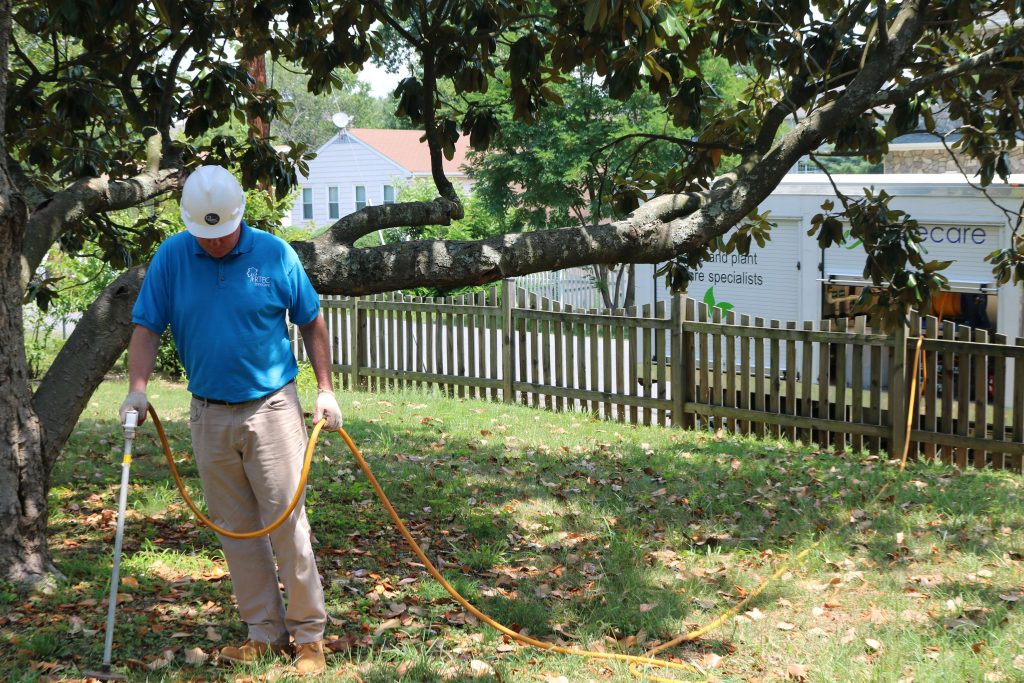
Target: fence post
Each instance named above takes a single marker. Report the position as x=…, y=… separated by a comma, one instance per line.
x=358, y=337
x=678, y=370
x=507, y=340
x=898, y=392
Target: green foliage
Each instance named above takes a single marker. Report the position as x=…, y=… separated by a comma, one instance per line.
x=307, y=117
x=850, y=165
x=305, y=383
x=167, y=360
x=701, y=85
x=901, y=276
x=477, y=223
x=40, y=346
x=560, y=167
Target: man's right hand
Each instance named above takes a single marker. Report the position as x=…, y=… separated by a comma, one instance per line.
x=135, y=400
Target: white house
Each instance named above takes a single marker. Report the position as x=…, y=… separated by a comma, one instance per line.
x=364, y=166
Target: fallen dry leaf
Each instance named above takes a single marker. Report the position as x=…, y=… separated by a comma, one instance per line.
x=798, y=672
x=553, y=678
x=396, y=608
x=479, y=668
x=194, y=656
x=785, y=626
x=387, y=626
x=710, y=661
x=160, y=662
x=873, y=644
x=212, y=635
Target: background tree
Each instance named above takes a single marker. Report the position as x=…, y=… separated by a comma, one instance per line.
x=562, y=169
x=91, y=90
x=307, y=116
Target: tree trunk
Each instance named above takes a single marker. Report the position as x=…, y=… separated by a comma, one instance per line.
x=98, y=340
x=24, y=555
x=630, y=299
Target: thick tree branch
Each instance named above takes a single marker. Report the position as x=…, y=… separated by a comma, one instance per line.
x=647, y=236
x=98, y=340
x=165, y=114
x=407, y=214
x=964, y=66
x=798, y=95
x=33, y=194
x=738, y=193
x=444, y=186
x=90, y=196
x=661, y=229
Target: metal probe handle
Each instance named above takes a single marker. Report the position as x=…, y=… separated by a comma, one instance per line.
x=130, y=423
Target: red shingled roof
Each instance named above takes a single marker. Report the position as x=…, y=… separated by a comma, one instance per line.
x=405, y=149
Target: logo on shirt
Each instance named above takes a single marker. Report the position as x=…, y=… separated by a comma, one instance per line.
x=256, y=279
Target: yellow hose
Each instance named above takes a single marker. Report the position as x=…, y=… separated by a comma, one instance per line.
x=633, y=661
x=209, y=522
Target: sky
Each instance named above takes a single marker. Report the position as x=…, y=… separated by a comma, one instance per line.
x=380, y=81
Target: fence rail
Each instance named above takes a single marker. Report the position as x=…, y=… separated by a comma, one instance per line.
x=835, y=383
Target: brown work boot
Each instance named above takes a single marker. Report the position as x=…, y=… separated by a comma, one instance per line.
x=309, y=658
x=251, y=651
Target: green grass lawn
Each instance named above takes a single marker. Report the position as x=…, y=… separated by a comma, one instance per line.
x=586, y=533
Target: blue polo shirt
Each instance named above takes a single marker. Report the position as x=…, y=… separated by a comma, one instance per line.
x=227, y=315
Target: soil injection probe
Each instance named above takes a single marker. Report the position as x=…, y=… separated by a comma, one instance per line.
x=105, y=674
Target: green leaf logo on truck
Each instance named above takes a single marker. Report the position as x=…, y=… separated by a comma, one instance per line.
x=709, y=301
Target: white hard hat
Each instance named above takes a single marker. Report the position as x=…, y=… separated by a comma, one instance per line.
x=212, y=202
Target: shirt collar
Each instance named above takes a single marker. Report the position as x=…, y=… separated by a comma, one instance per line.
x=244, y=243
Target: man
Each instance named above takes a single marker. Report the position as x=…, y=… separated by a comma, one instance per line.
x=225, y=288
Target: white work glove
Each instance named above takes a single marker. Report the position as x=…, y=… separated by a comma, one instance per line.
x=136, y=400
x=327, y=408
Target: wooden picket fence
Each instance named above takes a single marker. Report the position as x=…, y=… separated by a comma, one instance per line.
x=835, y=384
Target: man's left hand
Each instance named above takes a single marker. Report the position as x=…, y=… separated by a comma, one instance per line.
x=327, y=408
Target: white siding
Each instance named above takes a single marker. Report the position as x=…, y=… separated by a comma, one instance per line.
x=346, y=165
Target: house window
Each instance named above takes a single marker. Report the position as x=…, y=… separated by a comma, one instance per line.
x=360, y=197
x=307, y=203
x=332, y=203
x=389, y=194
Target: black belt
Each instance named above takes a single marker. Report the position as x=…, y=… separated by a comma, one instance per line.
x=218, y=402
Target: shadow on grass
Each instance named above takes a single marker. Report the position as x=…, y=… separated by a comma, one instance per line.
x=587, y=542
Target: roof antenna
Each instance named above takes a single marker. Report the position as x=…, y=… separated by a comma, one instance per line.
x=341, y=120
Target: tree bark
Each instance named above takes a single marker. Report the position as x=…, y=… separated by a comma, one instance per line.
x=24, y=484
x=92, y=349
x=24, y=555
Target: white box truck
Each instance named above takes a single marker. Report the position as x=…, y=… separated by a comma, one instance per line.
x=791, y=278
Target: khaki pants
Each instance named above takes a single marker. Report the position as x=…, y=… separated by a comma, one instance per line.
x=250, y=458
